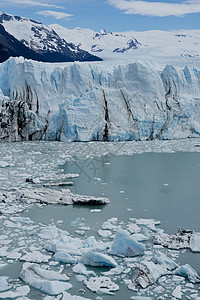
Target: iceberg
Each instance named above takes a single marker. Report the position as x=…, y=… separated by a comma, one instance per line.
x=97, y=259
x=49, y=282
x=126, y=245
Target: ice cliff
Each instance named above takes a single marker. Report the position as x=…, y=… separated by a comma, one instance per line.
x=106, y=101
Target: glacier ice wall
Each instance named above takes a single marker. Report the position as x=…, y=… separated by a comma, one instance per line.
x=97, y=101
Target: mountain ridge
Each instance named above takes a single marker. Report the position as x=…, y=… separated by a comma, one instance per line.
x=41, y=42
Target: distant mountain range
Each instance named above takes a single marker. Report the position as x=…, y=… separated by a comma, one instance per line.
x=130, y=44
x=33, y=40
x=21, y=36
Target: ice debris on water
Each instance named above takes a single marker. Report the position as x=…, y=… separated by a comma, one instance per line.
x=129, y=258
x=101, y=285
x=49, y=282
x=181, y=240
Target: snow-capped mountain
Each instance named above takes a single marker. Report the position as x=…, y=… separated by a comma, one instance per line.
x=104, y=101
x=154, y=43
x=45, y=44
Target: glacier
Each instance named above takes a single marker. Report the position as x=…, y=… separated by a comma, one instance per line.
x=98, y=101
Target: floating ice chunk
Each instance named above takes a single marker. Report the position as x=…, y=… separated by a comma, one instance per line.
x=188, y=272
x=177, y=292
x=78, y=222
x=195, y=242
x=81, y=278
x=68, y=183
x=141, y=298
x=159, y=290
x=95, y=210
x=49, y=275
x=67, y=296
x=133, y=228
x=114, y=271
x=104, y=233
x=162, y=259
x=113, y=220
x=36, y=257
x=4, y=284
x=42, y=281
x=51, y=232
x=81, y=269
x=124, y=244
x=139, y=237
x=148, y=273
x=101, y=285
x=181, y=240
x=108, y=225
x=21, y=220
x=4, y=164
x=150, y=223
x=19, y=292
x=80, y=232
x=65, y=197
x=98, y=259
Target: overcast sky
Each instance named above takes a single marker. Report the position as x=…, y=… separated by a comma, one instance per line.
x=112, y=15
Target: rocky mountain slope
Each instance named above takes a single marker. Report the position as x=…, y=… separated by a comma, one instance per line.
x=31, y=39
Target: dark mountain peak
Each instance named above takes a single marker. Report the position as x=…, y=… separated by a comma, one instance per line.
x=43, y=41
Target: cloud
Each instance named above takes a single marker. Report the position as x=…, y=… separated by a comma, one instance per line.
x=34, y=3
x=55, y=14
x=156, y=9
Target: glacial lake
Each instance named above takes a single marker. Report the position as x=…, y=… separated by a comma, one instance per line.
x=161, y=182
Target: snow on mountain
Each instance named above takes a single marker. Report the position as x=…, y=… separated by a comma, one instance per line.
x=44, y=42
x=111, y=45
x=105, y=101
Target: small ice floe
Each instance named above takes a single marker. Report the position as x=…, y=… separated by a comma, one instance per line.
x=188, y=272
x=95, y=210
x=126, y=245
x=4, y=286
x=65, y=183
x=65, y=197
x=133, y=228
x=101, y=285
x=81, y=269
x=4, y=164
x=78, y=222
x=139, y=237
x=21, y=220
x=56, y=177
x=108, y=225
x=21, y=291
x=149, y=223
x=63, y=257
x=114, y=271
x=97, y=259
x=36, y=257
x=67, y=296
x=104, y=233
x=140, y=298
x=177, y=292
x=80, y=232
x=181, y=240
x=162, y=259
x=49, y=282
